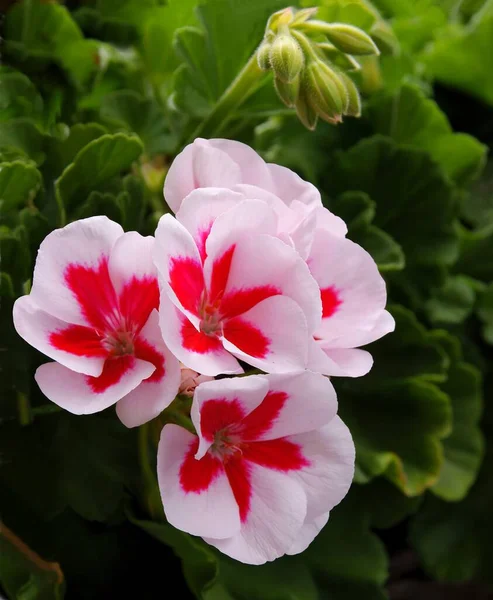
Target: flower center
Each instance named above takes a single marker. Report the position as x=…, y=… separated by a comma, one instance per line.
x=119, y=343
x=226, y=445
x=210, y=322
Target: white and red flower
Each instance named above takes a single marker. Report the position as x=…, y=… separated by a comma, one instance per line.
x=352, y=291
x=270, y=460
x=230, y=289
x=92, y=309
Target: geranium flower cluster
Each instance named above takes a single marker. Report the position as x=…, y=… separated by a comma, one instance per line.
x=252, y=271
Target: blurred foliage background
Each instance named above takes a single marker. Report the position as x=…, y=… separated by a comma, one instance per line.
x=96, y=99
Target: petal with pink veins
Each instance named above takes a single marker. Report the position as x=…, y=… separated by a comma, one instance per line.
x=80, y=249
x=196, y=494
x=327, y=478
x=271, y=336
x=84, y=395
x=217, y=404
x=308, y=533
x=201, y=208
x=277, y=510
x=159, y=390
x=199, y=165
x=286, y=411
x=74, y=346
x=263, y=260
x=179, y=265
x=196, y=350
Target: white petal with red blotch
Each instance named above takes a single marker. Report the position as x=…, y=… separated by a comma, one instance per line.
x=263, y=262
x=327, y=478
x=253, y=169
x=71, y=264
x=179, y=265
x=84, y=395
x=199, y=165
x=320, y=362
x=353, y=291
x=289, y=186
x=248, y=218
x=277, y=510
x=196, y=494
x=308, y=533
x=200, y=209
x=159, y=390
x=217, y=404
x=272, y=336
x=296, y=403
x=74, y=346
x=351, y=362
x=385, y=324
x=193, y=348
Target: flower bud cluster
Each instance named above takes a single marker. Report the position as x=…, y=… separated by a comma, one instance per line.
x=310, y=61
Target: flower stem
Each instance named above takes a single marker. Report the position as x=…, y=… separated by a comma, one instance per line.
x=243, y=86
x=24, y=409
x=150, y=496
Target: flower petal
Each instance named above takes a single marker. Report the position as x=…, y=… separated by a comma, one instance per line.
x=179, y=265
x=350, y=362
x=84, y=395
x=74, y=346
x=81, y=246
x=271, y=336
x=296, y=403
x=217, y=404
x=204, y=354
x=277, y=509
x=289, y=186
x=330, y=454
x=199, y=165
x=159, y=390
x=308, y=533
x=196, y=494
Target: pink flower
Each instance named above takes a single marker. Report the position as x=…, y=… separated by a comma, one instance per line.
x=92, y=309
x=352, y=291
x=270, y=460
x=231, y=289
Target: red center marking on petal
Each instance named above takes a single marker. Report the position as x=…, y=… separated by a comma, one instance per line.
x=150, y=353
x=93, y=290
x=238, y=302
x=138, y=298
x=330, y=301
x=197, y=475
x=246, y=337
x=113, y=371
x=217, y=414
x=197, y=341
x=238, y=472
x=78, y=340
x=186, y=279
x=261, y=419
x=220, y=274
x=281, y=455
x=201, y=240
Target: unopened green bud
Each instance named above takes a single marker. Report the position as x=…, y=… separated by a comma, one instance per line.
x=325, y=90
x=263, y=56
x=384, y=37
x=344, y=61
x=288, y=92
x=306, y=114
x=350, y=39
x=303, y=15
x=353, y=108
x=286, y=57
x=279, y=18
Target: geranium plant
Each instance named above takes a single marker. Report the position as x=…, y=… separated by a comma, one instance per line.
x=246, y=299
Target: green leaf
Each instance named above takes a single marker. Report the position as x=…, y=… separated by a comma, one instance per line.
x=18, y=96
x=476, y=253
x=453, y=539
x=458, y=59
x=24, y=136
x=452, y=303
x=65, y=460
x=408, y=117
x=19, y=184
x=485, y=313
x=99, y=161
x=25, y=575
x=415, y=203
x=396, y=415
x=463, y=448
